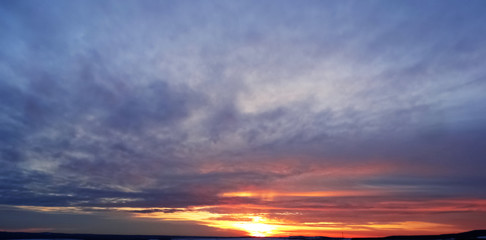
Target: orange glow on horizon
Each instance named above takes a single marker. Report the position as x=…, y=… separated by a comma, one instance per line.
x=270, y=195
x=257, y=227
x=259, y=220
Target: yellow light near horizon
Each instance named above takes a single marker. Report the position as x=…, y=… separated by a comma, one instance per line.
x=256, y=228
x=264, y=224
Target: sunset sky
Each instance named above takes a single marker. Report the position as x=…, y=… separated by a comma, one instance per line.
x=243, y=118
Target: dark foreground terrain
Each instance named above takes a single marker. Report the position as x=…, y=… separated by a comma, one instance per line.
x=472, y=235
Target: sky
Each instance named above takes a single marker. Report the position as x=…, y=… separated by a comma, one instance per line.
x=237, y=118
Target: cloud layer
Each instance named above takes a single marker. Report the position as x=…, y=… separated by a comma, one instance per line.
x=155, y=105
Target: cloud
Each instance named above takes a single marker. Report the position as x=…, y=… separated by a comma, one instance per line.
x=171, y=104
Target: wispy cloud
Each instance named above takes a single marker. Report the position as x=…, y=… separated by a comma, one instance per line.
x=160, y=106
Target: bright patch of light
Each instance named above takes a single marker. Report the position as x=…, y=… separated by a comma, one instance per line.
x=256, y=228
